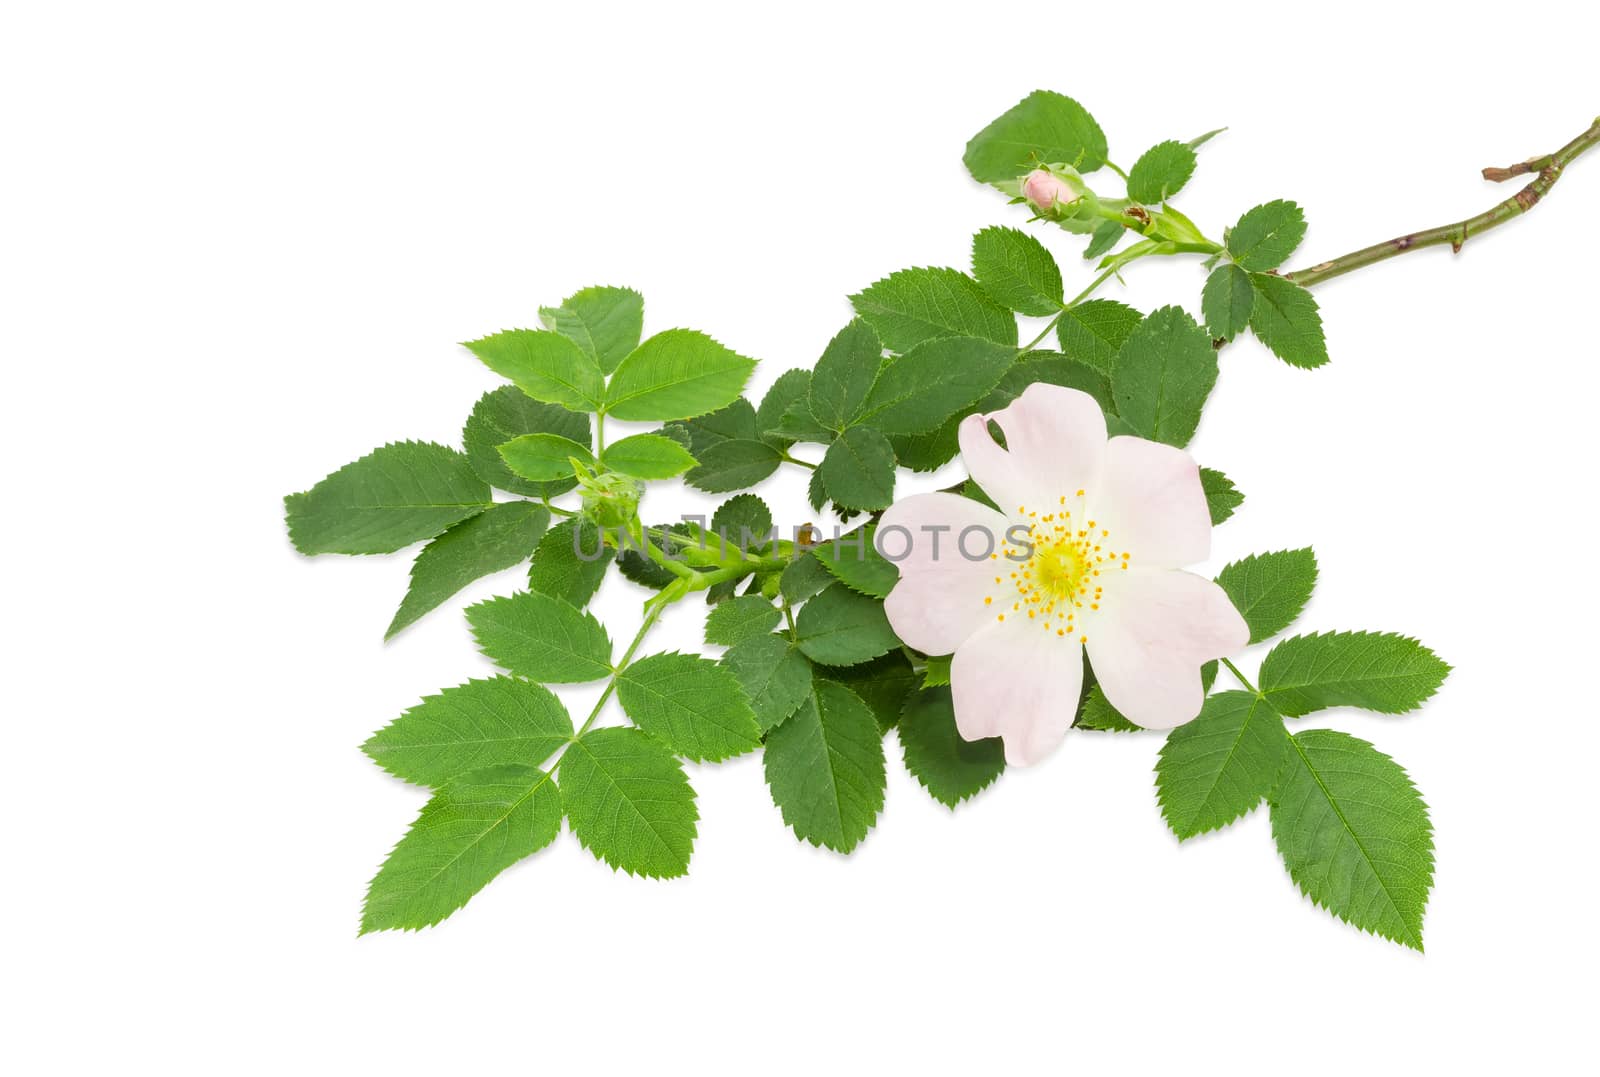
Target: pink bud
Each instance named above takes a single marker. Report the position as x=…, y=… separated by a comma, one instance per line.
x=1045, y=190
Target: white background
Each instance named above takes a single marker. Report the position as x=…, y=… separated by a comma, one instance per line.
x=239, y=243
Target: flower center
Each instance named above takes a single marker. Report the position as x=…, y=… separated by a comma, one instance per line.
x=1055, y=573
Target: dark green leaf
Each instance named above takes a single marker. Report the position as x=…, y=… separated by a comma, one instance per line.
x=883, y=684
x=570, y=562
x=858, y=469
x=920, y=390
x=1227, y=301
x=842, y=628
x=774, y=675
x=917, y=305
x=1161, y=172
x=739, y=619
x=1017, y=271
x=1218, y=767
x=1222, y=497
x=844, y=375
x=803, y=578
x=1266, y=236
x=1163, y=374
x=491, y=541
x=825, y=768
x=948, y=766
x=1042, y=128
x=1285, y=318
x=1270, y=589
x=388, y=499
x=1376, y=671
x=854, y=560
x=792, y=385
x=1093, y=332
x=506, y=413
x=1105, y=237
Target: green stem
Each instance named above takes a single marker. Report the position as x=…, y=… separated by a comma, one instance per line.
x=1241, y=678
x=650, y=617
x=1548, y=168
x=599, y=433
x=1068, y=305
x=786, y=458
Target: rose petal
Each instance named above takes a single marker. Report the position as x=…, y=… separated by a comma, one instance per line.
x=944, y=577
x=1055, y=441
x=1151, y=500
x=1016, y=681
x=1153, y=632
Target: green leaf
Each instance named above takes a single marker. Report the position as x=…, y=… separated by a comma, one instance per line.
x=858, y=469
x=1376, y=671
x=843, y=377
x=728, y=447
x=545, y=457
x=917, y=305
x=841, y=628
x=1285, y=318
x=474, y=828
x=1045, y=366
x=570, y=562
x=1042, y=128
x=774, y=675
x=825, y=767
x=919, y=390
x=545, y=365
x=1227, y=301
x=1222, y=496
x=854, y=560
x=1105, y=237
x=739, y=619
x=540, y=637
x=937, y=673
x=791, y=386
x=491, y=541
x=1269, y=590
x=1161, y=172
x=1266, y=236
x=949, y=767
x=676, y=375
x=883, y=684
x=629, y=802
x=1017, y=271
x=1218, y=767
x=388, y=499
x=506, y=413
x=1093, y=332
x=605, y=322
x=802, y=578
x=694, y=705
x=647, y=456
x=1097, y=713
x=1354, y=834
x=1163, y=374
x=478, y=724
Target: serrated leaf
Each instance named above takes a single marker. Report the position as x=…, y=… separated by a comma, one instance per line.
x=1104, y=237
x=1354, y=833
x=545, y=457
x=738, y=619
x=545, y=365
x=792, y=385
x=744, y=522
x=853, y=559
x=478, y=724
x=1266, y=235
x=1093, y=332
x=540, y=637
x=1161, y=172
x=1219, y=766
x=677, y=374
x=728, y=447
x=1285, y=318
x=858, y=469
x=798, y=424
x=570, y=562
x=696, y=707
x=918, y=391
x=1042, y=128
x=912, y=306
x=883, y=684
x=1097, y=713
x=1227, y=300
x=1163, y=374
x=474, y=828
x=842, y=628
x=402, y=493
x=843, y=376
x=1052, y=368
x=825, y=768
x=802, y=578
x=647, y=456
x=774, y=675
x=492, y=541
x=948, y=766
x=506, y=413
x=605, y=322
x=1017, y=271
x=629, y=802
x=1376, y=671
x=1269, y=590
x=1222, y=496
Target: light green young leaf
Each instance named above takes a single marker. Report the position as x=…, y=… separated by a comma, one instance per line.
x=542, y=638
x=506, y=413
x=1270, y=589
x=545, y=365
x=854, y=560
x=1376, y=671
x=545, y=457
x=1285, y=318
x=774, y=675
x=478, y=724
x=1093, y=332
x=474, y=828
x=1042, y=128
x=605, y=322
x=843, y=377
x=629, y=802
x=917, y=305
x=1266, y=236
x=1354, y=833
x=858, y=470
x=791, y=386
x=842, y=628
x=920, y=390
x=949, y=767
x=677, y=374
x=1218, y=767
x=1227, y=300
x=491, y=541
x=388, y=499
x=738, y=619
x=825, y=768
x=1222, y=496
x=647, y=456
x=1163, y=374
x=1161, y=172
x=570, y=562
x=696, y=707
x=1017, y=271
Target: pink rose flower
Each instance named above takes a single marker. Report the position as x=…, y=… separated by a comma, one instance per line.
x=1045, y=191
